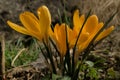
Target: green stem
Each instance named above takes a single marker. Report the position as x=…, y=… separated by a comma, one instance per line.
x=47, y=46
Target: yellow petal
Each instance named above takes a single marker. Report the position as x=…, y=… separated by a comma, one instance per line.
x=83, y=38
x=85, y=44
x=91, y=24
x=104, y=33
x=72, y=35
x=62, y=34
x=30, y=22
x=57, y=30
x=60, y=38
x=78, y=21
x=22, y=30
x=18, y=28
x=98, y=27
x=44, y=19
x=81, y=48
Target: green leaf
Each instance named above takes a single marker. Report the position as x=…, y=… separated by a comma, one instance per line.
x=57, y=77
x=111, y=72
x=92, y=73
x=89, y=63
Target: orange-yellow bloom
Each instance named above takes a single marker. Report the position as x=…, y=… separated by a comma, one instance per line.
x=91, y=28
x=59, y=36
x=33, y=26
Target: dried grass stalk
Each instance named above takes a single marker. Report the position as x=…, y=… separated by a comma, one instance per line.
x=2, y=57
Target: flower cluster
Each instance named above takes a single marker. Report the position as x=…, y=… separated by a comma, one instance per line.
x=84, y=32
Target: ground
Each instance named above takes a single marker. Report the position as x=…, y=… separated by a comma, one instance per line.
x=10, y=10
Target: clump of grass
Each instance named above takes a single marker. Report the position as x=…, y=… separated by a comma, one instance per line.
x=27, y=56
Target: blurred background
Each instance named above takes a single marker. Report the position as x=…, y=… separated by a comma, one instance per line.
x=10, y=9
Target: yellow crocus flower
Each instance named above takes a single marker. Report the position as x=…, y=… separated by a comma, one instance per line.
x=59, y=36
x=33, y=26
x=91, y=27
x=78, y=22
